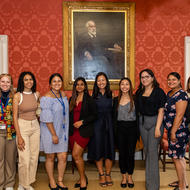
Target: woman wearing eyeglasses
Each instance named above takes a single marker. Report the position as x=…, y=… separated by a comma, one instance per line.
x=150, y=106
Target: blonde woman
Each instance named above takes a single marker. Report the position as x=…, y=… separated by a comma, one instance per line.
x=7, y=134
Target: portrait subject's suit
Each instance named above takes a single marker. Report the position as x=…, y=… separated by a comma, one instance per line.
x=102, y=59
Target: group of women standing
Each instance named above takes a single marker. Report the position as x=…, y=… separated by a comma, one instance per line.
x=100, y=121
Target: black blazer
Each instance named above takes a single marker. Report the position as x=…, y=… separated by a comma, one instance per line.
x=88, y=114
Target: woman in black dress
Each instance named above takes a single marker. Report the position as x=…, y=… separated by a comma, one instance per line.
x=101, y=146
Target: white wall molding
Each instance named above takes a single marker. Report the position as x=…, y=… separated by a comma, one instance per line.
x=3, y=54
x=187, y=60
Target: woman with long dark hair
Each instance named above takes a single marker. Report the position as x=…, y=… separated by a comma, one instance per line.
x=54, y=125
x=178, y=132
x=150, y=106
x=25, y=104
x=126, y=130
x=8, y=151
x=82, y=117
x=101, y=146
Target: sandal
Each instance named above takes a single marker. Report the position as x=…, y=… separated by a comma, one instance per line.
x=102, y=184
x=174, y=184
x=109, y=183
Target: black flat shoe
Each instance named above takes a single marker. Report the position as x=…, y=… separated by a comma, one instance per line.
x=131, y=185
x=123, y=185
x=55, y=188
x=62, y=188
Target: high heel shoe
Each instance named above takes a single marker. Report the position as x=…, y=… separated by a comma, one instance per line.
x=84, y=188
x=77, y=184
x=55, y=188
x=102, y=184
x=109, y=183
x=62, y=188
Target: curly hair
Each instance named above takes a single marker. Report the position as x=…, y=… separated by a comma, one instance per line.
x=20, y=86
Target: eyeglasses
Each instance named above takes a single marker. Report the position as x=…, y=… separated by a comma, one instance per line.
x=145, y=77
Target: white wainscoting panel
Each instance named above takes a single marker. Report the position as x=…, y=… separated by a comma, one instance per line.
x=187, y=60
x=3, y=54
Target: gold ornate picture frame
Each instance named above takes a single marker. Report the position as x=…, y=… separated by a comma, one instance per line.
x=98, y=37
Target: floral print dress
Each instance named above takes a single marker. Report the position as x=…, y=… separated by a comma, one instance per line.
x=176, y=149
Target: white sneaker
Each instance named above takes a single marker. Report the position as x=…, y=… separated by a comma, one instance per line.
x=9, y=188
x=20, y=187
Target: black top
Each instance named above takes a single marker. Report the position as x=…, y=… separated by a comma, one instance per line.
x=149, y=105
x=88, y=114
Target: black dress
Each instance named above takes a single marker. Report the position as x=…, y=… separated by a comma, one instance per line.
x=101, y=144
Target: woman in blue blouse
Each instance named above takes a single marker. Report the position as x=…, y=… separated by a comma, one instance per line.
x=54, y=125
x=177, y=129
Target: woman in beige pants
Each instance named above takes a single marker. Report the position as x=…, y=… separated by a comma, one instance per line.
x=27, y=129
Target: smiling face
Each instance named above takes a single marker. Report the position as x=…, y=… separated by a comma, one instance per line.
x=173, y=82
x=28, y=82
x=80, y=87
x=101, y=82
x=5, y=83
x=146, y=79
x=56, y=83
x=125, y=86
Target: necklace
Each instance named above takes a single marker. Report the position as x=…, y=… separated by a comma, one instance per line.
x=27, y=92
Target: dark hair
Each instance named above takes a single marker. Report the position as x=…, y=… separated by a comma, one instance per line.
x=75, y=93
x=95, y=92
x=188, y=81
x=130, y=92
x=20, y=85
x=141, y=88
x=176, y=75
x=55, y=75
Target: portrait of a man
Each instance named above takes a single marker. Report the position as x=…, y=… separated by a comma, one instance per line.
x=99, y=44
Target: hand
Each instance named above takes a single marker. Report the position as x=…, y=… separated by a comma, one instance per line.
x=55, y=139
x=173, y=136
x=20, y=143
x=116, y=46
x=157, y=133
x=78, y=124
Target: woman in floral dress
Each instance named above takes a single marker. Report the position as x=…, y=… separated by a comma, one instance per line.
x=177, y=129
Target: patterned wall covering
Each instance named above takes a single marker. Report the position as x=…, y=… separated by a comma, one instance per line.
x=35, y=37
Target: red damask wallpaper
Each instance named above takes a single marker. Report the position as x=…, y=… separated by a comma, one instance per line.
x=35, y=37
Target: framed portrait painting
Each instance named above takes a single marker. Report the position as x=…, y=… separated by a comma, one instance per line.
x=98, y=37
